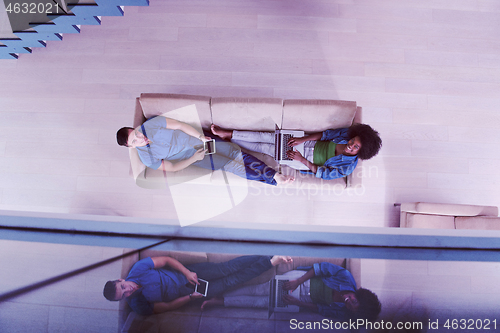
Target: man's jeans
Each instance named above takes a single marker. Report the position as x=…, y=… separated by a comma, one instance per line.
x=225, y=275
x=229, y=157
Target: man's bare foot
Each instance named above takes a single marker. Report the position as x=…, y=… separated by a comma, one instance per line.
x=283, y=179
x=276, y=260
x=213, y=302
x=221, y=133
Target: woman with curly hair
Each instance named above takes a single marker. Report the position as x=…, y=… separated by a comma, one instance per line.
x=325, y=288
x=330, y=154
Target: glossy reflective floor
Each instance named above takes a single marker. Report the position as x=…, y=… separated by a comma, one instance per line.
x=411, y=291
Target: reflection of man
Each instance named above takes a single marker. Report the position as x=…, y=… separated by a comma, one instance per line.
x=325, y=288
x=160, y=284
x=171, y=145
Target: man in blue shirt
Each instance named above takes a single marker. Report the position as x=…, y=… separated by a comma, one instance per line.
x=171, y=145
x=160, y=284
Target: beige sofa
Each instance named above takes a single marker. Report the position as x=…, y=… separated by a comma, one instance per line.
x=448, y=216
x=259, y=114
x=189, y=318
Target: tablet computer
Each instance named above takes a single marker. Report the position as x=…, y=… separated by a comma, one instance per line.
x=209, y=146
x=202, y=288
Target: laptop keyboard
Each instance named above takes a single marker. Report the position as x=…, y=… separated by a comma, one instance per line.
x=285, y=147
x=281, y=293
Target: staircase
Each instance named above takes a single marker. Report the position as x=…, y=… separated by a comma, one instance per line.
x=49, y=21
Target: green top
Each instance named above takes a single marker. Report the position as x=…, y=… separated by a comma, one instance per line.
x=320, y=292
x=323, y=150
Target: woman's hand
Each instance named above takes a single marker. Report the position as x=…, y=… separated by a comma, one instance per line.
x=192, y=278
x=199, y=155
x=289, y=299
x=295, y=155
x=296, y=141
x=291, y=285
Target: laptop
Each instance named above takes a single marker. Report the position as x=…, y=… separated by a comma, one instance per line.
x=276, y=293
x=281, y=147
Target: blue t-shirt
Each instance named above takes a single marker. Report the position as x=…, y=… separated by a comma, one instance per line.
x=167, y=144
x=157, y=285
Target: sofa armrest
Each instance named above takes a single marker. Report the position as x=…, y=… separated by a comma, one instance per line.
x=449, y=209
x=353, y=265
x=139, y=117
x=355, y=179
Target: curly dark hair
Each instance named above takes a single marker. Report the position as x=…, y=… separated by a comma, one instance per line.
x=370, y=140
x=109, y=290
x=122, y=136
x=369, y=305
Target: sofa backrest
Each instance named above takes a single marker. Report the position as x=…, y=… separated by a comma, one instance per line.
x=317, y=115
x=157, y=104
x=257, y=114
x=477, y=222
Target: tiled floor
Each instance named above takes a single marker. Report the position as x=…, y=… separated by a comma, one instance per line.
x=426, y=74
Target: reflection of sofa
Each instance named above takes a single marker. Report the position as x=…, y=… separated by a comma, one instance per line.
x=259, y=114
x=219, y=319
x=448, y=216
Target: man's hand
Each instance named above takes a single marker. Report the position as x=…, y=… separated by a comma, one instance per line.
x=192, y=277
x=296, y=141
x=295, y=155
x=195, y=295
x=291, y=285
x=288, y=299
x=199, y=155
x=206, y=138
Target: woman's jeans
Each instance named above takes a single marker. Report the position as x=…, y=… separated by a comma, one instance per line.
x=261, y=142
x=264, y=142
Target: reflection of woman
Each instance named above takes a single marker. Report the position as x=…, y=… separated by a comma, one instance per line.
x=325, y=288
x=173, y=145
x=330, y=154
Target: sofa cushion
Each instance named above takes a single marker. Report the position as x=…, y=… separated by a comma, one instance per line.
x=306, y=262
x=157, y=104
x=317, y=115
x=478, y=222
x=256, y=114
x=186, y=258
x=128, y=262
x=430, y=221
x=221, y=257
x=310, y=185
